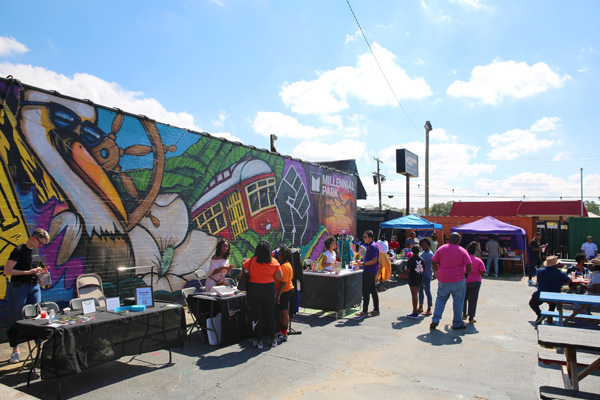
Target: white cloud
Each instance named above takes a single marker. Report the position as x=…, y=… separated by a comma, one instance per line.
x=227, y=135
x=267, y=123
x=9, y=45
x=418, y=61
x=424, y=5
x=448, y=161
x=452, y=72
x=545, y=124
x=320, y=151
x=490, y=83
x=470, y=3
x=353, y=37
x=219, y=3
x=560, y=156
x=440, y=135
x=516, y=142
x=330, y=92
x=105, y=93
x=221, y=120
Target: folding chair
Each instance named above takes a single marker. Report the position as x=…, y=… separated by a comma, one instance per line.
x=30, y=311
x=76, y=303
x=196, y=325
x=90, y=285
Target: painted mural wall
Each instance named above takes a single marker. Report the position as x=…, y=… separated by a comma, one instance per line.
x=116, y=190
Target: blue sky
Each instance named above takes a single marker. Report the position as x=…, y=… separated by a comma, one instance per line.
x=510, y=87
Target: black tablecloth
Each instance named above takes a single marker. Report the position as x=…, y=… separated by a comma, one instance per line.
x=235, y=325
x=69, y=349
x=330, y=292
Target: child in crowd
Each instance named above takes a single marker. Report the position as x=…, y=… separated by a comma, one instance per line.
x=416, y=267
x=425, y=289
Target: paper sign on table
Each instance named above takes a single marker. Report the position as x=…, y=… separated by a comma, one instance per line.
x=112, y=303
x=89, y=306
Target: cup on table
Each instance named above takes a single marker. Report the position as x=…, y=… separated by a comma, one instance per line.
x=44, y=312
x=66, y=310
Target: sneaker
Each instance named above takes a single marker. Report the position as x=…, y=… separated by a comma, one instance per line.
x=375, y=313
x=530, y=282
x=433, y=325
x=462, y=326
x=15, y=358
x=539, y=320
x=258, y=344
x=278, y=335
x=495, y=276
x=273, y=342
x=283, y=338
x=361, y=315
x=413, y=315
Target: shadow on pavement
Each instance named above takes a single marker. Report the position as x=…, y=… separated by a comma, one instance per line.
x=88, y=380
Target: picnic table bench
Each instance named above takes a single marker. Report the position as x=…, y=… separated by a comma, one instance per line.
x=584, y=301
x=571, y=340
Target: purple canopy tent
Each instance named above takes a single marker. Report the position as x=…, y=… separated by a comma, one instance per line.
x=490, y=225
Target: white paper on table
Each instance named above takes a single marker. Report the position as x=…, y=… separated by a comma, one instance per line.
x=89, y=306
x=112, y=303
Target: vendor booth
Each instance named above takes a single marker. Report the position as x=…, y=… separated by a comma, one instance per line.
x=412, y=222
x=513, y=237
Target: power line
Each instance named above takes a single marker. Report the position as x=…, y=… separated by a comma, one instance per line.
x=381, y=69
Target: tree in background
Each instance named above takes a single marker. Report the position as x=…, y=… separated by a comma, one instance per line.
x=441, y=209
x=590, y=206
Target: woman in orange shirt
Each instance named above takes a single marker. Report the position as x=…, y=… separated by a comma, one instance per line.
x=263, y=270
x=284, y=290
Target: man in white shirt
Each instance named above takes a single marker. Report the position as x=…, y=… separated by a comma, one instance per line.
x=589, y=248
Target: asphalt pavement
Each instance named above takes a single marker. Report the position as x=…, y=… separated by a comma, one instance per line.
x=388, y=356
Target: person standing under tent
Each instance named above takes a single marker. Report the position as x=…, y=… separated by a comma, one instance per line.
x=394, y=245
x=494, y=251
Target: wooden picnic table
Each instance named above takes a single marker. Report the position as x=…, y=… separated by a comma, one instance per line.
x=584, y=301
x=571, y=340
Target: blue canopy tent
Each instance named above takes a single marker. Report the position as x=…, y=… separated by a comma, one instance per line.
x=410, y=222
x=490, y=225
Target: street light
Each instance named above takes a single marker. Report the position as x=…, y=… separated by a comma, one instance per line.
x=428, y=129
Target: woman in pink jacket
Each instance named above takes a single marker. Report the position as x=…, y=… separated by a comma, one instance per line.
x=473, y=284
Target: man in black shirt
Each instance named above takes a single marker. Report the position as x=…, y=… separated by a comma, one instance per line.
x=535, y=252
x=24, y=287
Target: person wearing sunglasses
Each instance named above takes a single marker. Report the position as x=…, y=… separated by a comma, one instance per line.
x=24, y=287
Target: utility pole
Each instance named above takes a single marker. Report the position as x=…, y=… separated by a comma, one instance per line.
x=427, y=130
x=378, y=178
x=581, y=174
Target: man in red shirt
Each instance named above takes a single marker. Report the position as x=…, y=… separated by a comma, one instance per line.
x=394, y=245
x=451, y=264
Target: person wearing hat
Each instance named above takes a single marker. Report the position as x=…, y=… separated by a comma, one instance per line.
x=589, y=248
x=549, y=279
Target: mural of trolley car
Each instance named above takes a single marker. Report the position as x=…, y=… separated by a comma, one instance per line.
x=237, y=199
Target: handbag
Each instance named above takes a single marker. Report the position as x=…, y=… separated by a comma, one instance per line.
x=243, y=283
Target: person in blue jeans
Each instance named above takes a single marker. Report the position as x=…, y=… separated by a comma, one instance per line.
x=451, y=264
x=549, y=279
x=23, y=287
x=493, y=249
x=425, y=289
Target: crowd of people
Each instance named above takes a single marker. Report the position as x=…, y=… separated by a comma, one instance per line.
x=458, y=270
